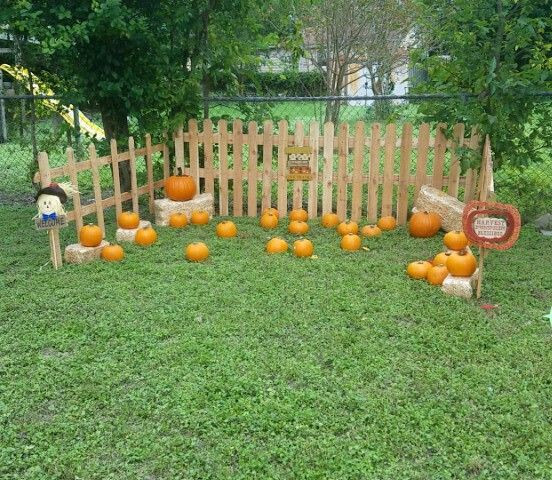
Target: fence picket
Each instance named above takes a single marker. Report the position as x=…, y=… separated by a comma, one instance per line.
x=358, y=156
x=421, y=161
x=471, y=174
x=223, y=160
x=149, y=169
x=252, y=169
x=454, y=171
x=166, y=158
x=237, y=146
x=73, y=177
x=373, y=176
x=179, y=148
x=267, y=165
x=343, y=153
x=314, y=143
x=439, y=148
x=94, y=166
x=116, y=178
x=194, y=151
x=299, y=139
x=282, y=161
x=133, y=179
x=404, y=173
x=208, y=156
x=327, y=187
x=389, y=163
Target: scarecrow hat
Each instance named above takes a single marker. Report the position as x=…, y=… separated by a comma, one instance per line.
x=53, y=189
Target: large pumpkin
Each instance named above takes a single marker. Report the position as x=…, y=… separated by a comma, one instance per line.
x=303, y=248
x=462, y=264
x=350, y=242
x=276, y=245
x=226, y=229
x=298, y=228
x=272, y=210
x=330, y=220
x=387, y=223
x=128, y=220
x=145, y=236
x=200, y=217
x=197, y=252
x=370, y=231
x=178, y=220
x=90, y=235
x=436, y=275
x=455, y=240
x=112, y=253
x=424, y=224
x=268, y=220
x=299, y=214
x=418, y=270
x=347, y=227
x=180, y=187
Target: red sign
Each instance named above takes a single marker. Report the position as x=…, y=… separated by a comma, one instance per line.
x=491, y=225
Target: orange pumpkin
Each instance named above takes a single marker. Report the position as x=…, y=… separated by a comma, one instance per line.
x=274, y=211
x=268, y=220
x=330, y=220
x=299, y=214
x=347, y=227
x=276, y=245
x=303, y=248
x=350, y=242
x=418, y=270
x=178, y=220
x=387, y=223
x=436, y=275
x=298, y=228
x=145, y=236
x=441, y=258
x=90, y=235
x=226, y=229
x=180, y=187
x=462, y=264
x=197, y=252
x=200, y=217
x=370, y=231
x=424, y=224
x=455, y=240
x=128, y=220
x=112, y=253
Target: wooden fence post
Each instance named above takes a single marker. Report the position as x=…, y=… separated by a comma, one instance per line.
x=327, y=186
x=388, y=167
x=94, y=167
x=358, y=157
x=208, y=156
x=75, y=183
x=484, y=188
x=223, y=161
x=149, y=168
x=299, y=138
x=404, y=173
x=373, y=178
x=282, y=165
x=116, y=179
x=421, y=161
x=237, y=142
x=314, y=143
x=342, y=155
x=133, y=179
x=252, y=169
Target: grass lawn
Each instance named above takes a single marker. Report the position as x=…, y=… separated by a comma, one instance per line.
x=255, y=366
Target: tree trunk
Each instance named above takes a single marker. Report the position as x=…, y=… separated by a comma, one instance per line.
x=115, y=124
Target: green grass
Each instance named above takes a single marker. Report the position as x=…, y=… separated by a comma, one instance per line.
x=256, y=366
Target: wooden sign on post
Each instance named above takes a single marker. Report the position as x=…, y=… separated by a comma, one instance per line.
x=299, y=163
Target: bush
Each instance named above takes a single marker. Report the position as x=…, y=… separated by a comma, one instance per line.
x=288, y=83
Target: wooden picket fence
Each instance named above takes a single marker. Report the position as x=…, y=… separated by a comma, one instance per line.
x=355, y=174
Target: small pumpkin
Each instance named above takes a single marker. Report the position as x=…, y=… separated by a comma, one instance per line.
x=276, y=245
x=180, y=188
x=350, y=242
x=455, y=240
x=178, y=220
x=197, y=252
x=128, y=220
x=303, y=248
x=268, y=220
x=441, y=258
x=299, y=214
x=226, y=229
x=418, y=270
x=200, y=217
x=145, y=236
x=347, y=227
x=298, y=228
x=271, y=210
x=112, y=253
x=387, y=223
x=370, y=231
x=436, y=275
x=90, y=235
x=462, y=264
x=424, y=224
x=330, y=220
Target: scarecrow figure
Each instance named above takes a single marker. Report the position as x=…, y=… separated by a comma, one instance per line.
x=50, y=200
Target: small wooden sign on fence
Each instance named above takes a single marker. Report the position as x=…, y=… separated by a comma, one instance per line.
x=299, y=163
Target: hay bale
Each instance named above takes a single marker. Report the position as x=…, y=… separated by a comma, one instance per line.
x=77, y=253
x=449, y=208
x=128, y=234
x=460, y=286
x=165, y=207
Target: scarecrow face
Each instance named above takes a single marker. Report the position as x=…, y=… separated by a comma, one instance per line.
x=49, y=204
